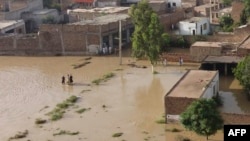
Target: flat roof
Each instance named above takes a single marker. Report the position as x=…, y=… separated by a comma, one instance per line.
x=194, y=19
x=6, y=23
x=245, y=43
x=208, y=5
x=222, y=59
x=226, y=10
x=43, y=11
x=100, y=10
x=208, y=44
x=192, y=84
x=103, y=19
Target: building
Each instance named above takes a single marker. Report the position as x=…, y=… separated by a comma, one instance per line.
x=203, y=10
x=11, y=26
x=194, y=26
x=105, y=3
x=12, y=10
x=76, y=15
x=218, y=11
x=244, y=47
x=200, y=50
x=193, y=85
x=40, y=16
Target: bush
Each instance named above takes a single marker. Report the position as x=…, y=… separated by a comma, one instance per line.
x=63, y=132
x=40, y=121
x=218, y=100
x=82, y=110
x=117, y=134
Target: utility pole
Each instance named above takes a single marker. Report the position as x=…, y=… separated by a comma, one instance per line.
x=120, y=41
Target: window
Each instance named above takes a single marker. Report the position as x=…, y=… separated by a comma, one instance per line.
x=217, y=15
x=205, y=26
x=169, y=5
x=174, y=4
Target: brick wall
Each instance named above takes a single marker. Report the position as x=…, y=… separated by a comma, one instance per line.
x=237, y=7
x=177, y=105
x=199, y=53
x=171, y=18
x=231, y=118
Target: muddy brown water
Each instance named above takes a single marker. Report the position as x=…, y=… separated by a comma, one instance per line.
x=233, y=97
x=133, y=98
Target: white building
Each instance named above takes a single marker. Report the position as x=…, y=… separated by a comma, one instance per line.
x=194, y=26
x=173, y=3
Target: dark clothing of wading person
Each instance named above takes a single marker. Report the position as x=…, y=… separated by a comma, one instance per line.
x=70, y=79
x=63, y=80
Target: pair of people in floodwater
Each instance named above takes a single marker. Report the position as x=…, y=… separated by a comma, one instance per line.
x=69, y=81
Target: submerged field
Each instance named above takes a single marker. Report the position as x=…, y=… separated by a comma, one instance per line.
x=127, y=105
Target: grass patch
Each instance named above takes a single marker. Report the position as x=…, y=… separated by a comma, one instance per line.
x=83, y=91
x=63, y=132
x=76, y=66
x=40, y=121
x=104, y=78
x=57, y=113
x=173, y=130
x=82, y=110
x=20, y=135
x=161, y=121
x=155, y=72
x=181, y=138
x=117, y=134
x=45, y=107
x=118, y=69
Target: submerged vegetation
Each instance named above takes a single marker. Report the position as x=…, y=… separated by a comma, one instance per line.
x=117, y=134
x=57, y=113
x=63, y=132
x=104, y=78
x=19, y=135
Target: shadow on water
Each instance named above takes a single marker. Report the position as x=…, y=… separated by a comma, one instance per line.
x=234, y=99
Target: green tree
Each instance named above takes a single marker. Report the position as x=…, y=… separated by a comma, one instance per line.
x=227, y=2
x=242, y=73
x=247, y=7
x=47, y=3
x=226, y=23
x=147, y=36
x=243, y=17
x=202, y=117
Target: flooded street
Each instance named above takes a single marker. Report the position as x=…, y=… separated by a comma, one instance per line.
x=235, y=101
x=130, y=102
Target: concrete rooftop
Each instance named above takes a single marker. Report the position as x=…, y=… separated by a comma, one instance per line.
x=194, y=19
x=103, y=19
x=222, y=59
x=6, y=23
x=43, y=11
x=245, y=43
x=107, y=10
x=207, y=44
x=192, y=84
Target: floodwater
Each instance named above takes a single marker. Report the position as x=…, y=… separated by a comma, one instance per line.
x=232, y=94
x=133, y=98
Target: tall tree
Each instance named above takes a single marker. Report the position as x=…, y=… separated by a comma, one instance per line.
x=242, y=73
x=202, y=117
x=147, y=37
